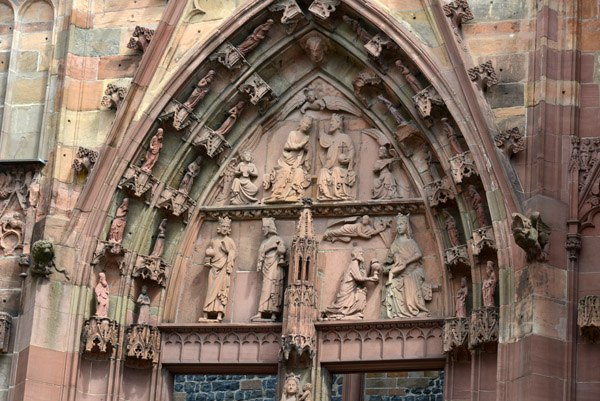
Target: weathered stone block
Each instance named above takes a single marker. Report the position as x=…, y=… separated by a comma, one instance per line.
x=27, y=91
x=94, y=43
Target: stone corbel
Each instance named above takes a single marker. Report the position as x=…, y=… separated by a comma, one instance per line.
x=229, y=56
x=142, y=346
x=139, y=183
x=510, y=142
x=291, y=13
x=140, y=39
x=573, y=245
x=99, y=338
x=322, y=9
x=259, y=92
x=483, y=326
x=439, y=192
x=456, y=332
x=85, y=159
x=5, y=324
x=113, y=96
x=483, y=75
x=212, y=142
x=176, y=202
x=456, y=257
x=425, y=100
x=483, y=238
x=151, y=268
x=462, y=166
x=588, y=318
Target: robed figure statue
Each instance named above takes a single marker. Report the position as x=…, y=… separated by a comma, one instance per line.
x=406, y=290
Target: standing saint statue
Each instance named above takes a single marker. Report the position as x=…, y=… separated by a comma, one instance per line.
x=271, y=262
x=228, y=124
x=255, y=37
x=488, y=288
x=200, y=91
x=477, y=204
x=192, y=172
x=159, y=244
x=243, y=190
x=337, y=176
x=384, y=185
x=151, y=158
x=220, y=258
x=351, y=298
x=406, y=290
x=452, y=138
x=461, y=298
x=290, y=177
x=451, y=229
x=144, y=303
x=102, y=293
x=117, y=227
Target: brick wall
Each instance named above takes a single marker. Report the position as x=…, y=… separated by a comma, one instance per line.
x=225, y=387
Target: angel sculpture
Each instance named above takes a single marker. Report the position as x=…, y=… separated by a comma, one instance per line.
x=307, y=99
x=532, y=235
x=356, y=226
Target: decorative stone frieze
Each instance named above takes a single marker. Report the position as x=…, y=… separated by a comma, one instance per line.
x=462, y=166
x=142, y=346
x=483, y=326
x=140, y=39
x=259, y=92
x=483, y=75
x=113, y=96
x=425, y=100
x=151, y=268
x=176, y=202
x=85, y=159
x=322, y=9
x=99, y=338
x=588, y=318
x=511, y=142
x=439, y=192
x=139, y=183
x=5, y=324
x=483, y=238
x=42, y=254
x=456, y=332
x=532, y=235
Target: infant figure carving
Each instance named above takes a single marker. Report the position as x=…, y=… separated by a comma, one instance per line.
x=117, y=227
x=102, y=292
x=290, y=177
x=337, y=176
x=270, y=266
x=461, y=298
x=144, y=303
x=406, y=290
x=220, y=258
x=243, y=190
x=151, y=158
x=384, y=185
x=488, y=288
x=351, y=298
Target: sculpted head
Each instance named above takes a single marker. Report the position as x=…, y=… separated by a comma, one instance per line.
x=316, y=47
x=463, y=282
x=365, y=219
x=305, y=123
x=403, y=225
x=383, y=152
x=292, y=385
x=490, y=267
x=247, y=156
x=336, y=122
x=159, y=134
x=224, y=227
x=358, y=254
x=102, y=278
x=268, y=226
x=144, y=289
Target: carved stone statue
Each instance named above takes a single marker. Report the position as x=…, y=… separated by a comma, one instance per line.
x=410, y=78
x=461, y=298
x=452, y=138
x=477, y=204
x=306, y=392
x=317, y=47
x=451, y=229
x=202, y=88
x=117, y=227
x=153, y=152
x=192, y=172
x=228, y=124
x=355, y=227
x=406, y=289
x=291, y=387
x=290, y=177
x=143, y=302
x=254, y=39
x=532, y=235
x=102, y=296
x=351, y=298
x=384, y=185
x=243, y=190
x=488, y=288
x=159, y=244
x=220, y=258
x=362, y=33
x=337, y=175
x=270, y=265
x=312, y=101
x=433, y=172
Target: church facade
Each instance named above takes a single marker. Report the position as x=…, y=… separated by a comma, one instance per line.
x=386, y=200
